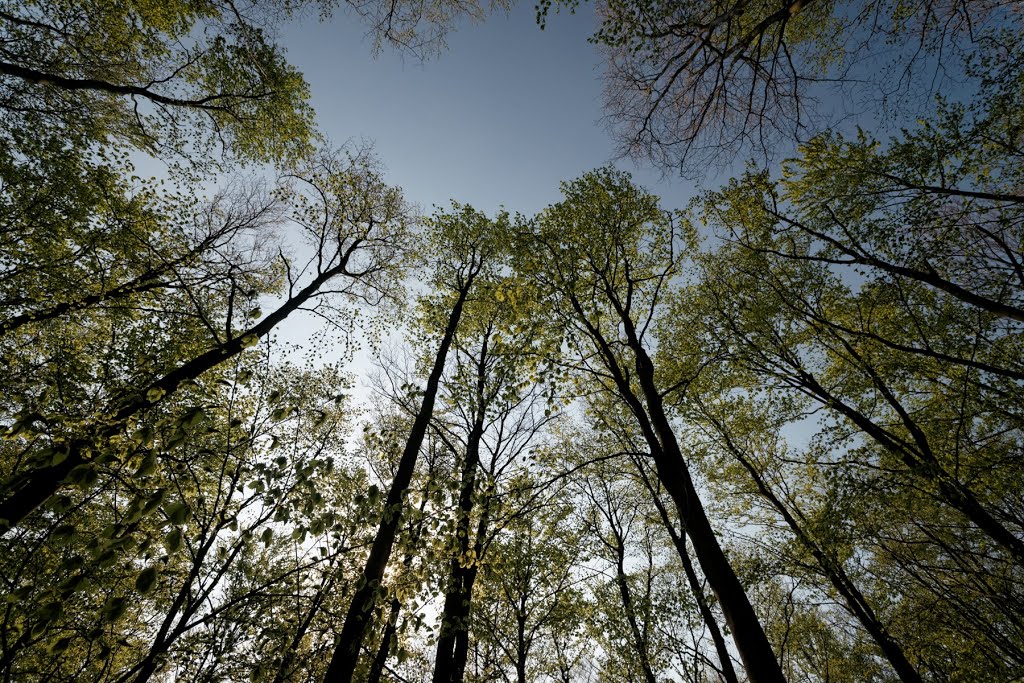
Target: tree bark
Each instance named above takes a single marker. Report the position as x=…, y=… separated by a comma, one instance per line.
x=383, y=650
x=353, y=631
x=755, y=651
x=833, y=571
x=457, y=596
x=724, y=658
x=391, y=626
x=639, y=642
x=461, y=655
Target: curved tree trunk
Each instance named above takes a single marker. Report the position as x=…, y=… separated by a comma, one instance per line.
x=755, y=651
x=37, y=486
x=833, y=571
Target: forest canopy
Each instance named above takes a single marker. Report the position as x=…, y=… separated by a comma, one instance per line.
x=772, y=435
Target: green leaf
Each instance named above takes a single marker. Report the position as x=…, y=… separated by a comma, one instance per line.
x=83, y=476
x=146, y=580
x=193, y=417
x=178, y=513
x=60, y=646
x=147, y=466
x=143, y=436
x=60, y=454
x=154, y=501
x=114, y=608
x=173, y=540
x=72, y=583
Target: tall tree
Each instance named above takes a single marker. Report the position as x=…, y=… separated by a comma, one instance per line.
x=706, y=80
x=605, y=256
x=876, y=284
x=527, y=587
x=461, y=245
x=492, y=415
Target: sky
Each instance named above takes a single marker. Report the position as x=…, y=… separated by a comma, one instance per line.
x=498, y=119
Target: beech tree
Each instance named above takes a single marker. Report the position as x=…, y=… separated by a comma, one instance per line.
x=526, y=592
x=463, y=244
x=774, y=436
x=698, y=81
x=874, y=286
x=604, y=257
x=355, y=225
x=491, y=416
x=113, y=580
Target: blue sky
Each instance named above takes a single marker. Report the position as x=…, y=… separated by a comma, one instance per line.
x=499, y=118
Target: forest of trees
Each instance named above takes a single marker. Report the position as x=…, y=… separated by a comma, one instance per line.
x=774, y=435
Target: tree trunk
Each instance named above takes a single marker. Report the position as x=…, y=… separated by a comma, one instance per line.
x=751, y=642
x=353, y=631
x=381, y=658
x=755, y=651
x=36, y=487
x=725, y=660
x=461, y=655
x=835, y=573
x=639, y=642
x=457, y=597
x=521, y=649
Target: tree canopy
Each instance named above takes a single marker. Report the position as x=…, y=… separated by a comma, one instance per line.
x=773, y=435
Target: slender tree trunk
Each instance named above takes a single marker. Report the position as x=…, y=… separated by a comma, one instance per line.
x=724, y=658
x=181, y=611
x=461, y=655
x=639, y=642
x=380, y=660
x=457, y=597
x=353, y=631
x=835, y=573
x=461, y=652
x=521, y=649
x=452, y=622
x=755, y=651
x=289, y=656
x=383, y=650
